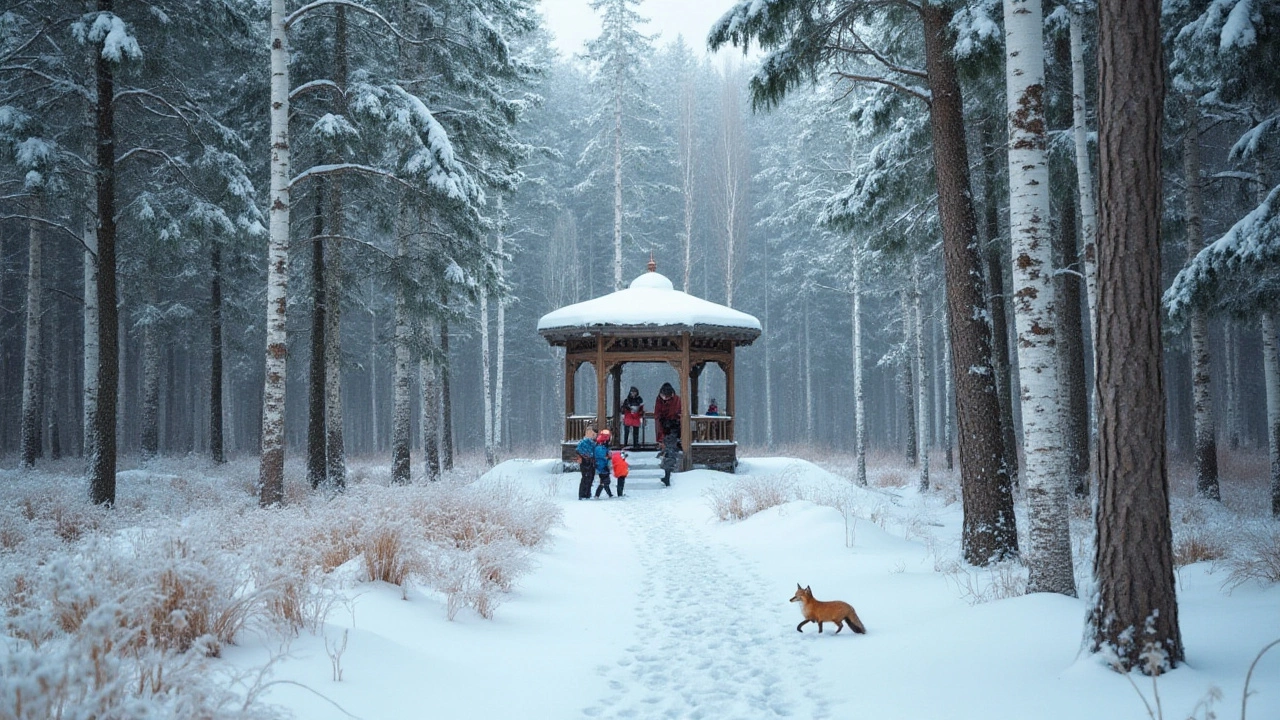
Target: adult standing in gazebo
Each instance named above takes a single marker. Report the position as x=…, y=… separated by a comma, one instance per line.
x=665, y=409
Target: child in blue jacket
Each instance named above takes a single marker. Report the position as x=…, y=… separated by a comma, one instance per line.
x=586, y=462
x=602, y=462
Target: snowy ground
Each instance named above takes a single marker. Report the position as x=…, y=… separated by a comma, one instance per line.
x=651, y=607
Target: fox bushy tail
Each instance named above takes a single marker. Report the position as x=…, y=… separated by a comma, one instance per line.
x=855, y=624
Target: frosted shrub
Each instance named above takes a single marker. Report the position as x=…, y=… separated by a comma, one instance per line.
x=1255, y=558
x=748, y=495
x=386, y=553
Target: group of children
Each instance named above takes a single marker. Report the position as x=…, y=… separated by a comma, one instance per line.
x=596, y=460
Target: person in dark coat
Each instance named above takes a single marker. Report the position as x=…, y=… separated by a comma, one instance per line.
x=586, y=462
x=667, y=407
x=632, y=417
x=670, y=450
x=602, y=463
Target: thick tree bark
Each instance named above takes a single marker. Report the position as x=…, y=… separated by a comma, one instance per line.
x=990, y=530
x=102, y=463
x=317, y=463
x=1135, y=608
x=1048, y=554
x=271, y=467
x=1206, y=433
x=994, y=257
x=1230, y=342
x=33, y=357
x=216, y=449
x=859, y=397
x=1071, y=354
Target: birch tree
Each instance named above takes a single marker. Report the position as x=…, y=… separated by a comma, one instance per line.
x=1049, y=554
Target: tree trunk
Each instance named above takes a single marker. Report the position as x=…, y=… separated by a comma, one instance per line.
x=1049, y=553
x=216, y=451
x=486, y=385
x=1230, y=342
x=950, y=419
x=859, y=397
x=1071, y=361
x=1206, y=433
x=376, y=446
x=1271, y=375
x=1135, y=609
x=500, y=352
x=446, y=400
x=908, y=378
x=150, y=441
x=922, y=377
x=335, y=445
x=808, y=374
x=317, y=461
x=271, y=467
x=990, y=530
x=102, y=463
x=688, y=100
x=617, y=183
x=995, y=258
x=400, y=439
x=51, y=381
x=91, y=356
x=430, y=388
x=1084, y=170
x=32, y=358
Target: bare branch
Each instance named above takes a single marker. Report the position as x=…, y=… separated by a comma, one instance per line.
x=915, y=92
x=56, y=226
x=297, y=14
x=307, y=87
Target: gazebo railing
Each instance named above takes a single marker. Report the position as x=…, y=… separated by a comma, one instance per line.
x=576, y=425
x=712, y=428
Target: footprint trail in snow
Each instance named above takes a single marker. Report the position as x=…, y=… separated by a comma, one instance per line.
x=713, y=640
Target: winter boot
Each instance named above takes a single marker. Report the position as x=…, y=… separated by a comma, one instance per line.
x=666, y=478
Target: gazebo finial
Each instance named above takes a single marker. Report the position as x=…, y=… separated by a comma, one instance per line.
x=653, y=266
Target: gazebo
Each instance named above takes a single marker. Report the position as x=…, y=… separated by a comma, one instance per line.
x=652, y=322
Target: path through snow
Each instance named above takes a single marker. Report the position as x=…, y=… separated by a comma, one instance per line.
x=712, y=636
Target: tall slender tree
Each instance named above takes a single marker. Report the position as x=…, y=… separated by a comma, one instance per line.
x=1049, y=553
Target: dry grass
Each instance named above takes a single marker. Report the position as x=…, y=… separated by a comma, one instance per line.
x=386, y=554
x=748, y=495
x=1256, y=558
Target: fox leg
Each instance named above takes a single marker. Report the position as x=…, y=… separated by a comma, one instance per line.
x=819, y=626
x=839, y=627
x=802, y=624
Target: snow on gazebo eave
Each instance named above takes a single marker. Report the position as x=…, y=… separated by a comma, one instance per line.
x=650, y=305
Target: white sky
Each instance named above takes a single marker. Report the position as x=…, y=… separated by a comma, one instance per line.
x=574, y=22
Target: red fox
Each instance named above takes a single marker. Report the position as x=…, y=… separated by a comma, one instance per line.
x=830, y=611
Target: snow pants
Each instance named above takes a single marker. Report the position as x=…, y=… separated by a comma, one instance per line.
x=588, y=469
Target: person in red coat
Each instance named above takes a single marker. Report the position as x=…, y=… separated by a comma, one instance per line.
x=667, y=407
x=632, y=417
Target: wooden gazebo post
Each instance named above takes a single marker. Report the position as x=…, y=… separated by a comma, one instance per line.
x=601, y=418
x=686, y=424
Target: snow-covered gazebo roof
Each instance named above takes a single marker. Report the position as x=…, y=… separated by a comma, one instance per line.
x=649, y=306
